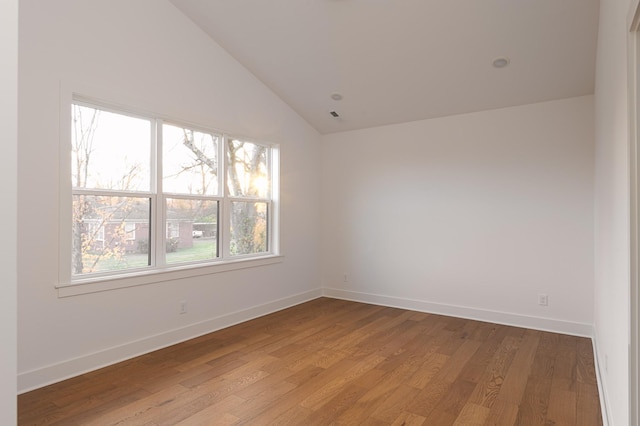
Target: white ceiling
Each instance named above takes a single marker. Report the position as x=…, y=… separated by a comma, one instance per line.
x=403, y=60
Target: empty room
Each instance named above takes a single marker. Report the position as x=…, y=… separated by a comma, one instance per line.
x=320, y=212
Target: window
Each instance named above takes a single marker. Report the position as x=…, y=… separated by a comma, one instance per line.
x=130, y=231
x=148, y=194
x=248, y=183
x=96, y=231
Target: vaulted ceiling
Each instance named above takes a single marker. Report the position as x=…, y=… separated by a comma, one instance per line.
x=395, y=61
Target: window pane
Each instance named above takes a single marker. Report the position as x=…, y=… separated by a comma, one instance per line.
x=109, y=233
x=247, y=169
x=192, y=230
x=109, y=151
x=189, y=161
x=248, y=227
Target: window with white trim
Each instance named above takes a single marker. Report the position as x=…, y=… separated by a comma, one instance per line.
x=151, y=194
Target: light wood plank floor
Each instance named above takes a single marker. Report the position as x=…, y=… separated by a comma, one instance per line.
x=336, y=362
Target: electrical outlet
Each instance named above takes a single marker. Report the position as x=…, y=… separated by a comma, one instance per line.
x=345, y=278
x=183, y=307
x=543, y=299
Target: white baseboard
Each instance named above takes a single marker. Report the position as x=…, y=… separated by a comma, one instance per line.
x=44, y=376
x=536, y=323
x=604, y=399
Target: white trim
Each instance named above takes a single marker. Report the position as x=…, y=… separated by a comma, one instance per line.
x=33, y=379
x=274, y=220
x=602, y=393
x=65, y=197
x=505, y=318
x=152, y=276
x=107, y=280
x=633, y=16
x=9, y=215
x=633, y=91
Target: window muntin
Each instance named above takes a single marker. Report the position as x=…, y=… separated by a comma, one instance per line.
x=175, y=172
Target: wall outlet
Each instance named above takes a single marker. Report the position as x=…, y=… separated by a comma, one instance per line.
x=543, y=299
x=345, y=278
x=183, y=307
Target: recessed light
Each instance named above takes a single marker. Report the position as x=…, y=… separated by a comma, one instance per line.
x=336, y=96
x=501, y=62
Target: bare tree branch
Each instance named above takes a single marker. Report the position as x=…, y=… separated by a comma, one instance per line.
x=189, y=143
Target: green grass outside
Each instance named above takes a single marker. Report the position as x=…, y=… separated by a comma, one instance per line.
x=202, y=249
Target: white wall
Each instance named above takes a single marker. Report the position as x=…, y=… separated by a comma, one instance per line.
x=147, y=55
x=8, y=214
x=612, y=208
x=471, y=215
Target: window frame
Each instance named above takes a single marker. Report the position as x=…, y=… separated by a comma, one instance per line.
x=159, y=270
x=229, y=199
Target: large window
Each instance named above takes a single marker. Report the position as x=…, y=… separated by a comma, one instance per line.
x=148, y=194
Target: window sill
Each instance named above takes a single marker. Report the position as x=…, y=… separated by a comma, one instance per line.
x=98, y=284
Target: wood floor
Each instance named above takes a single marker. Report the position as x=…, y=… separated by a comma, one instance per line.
x=337, y=362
